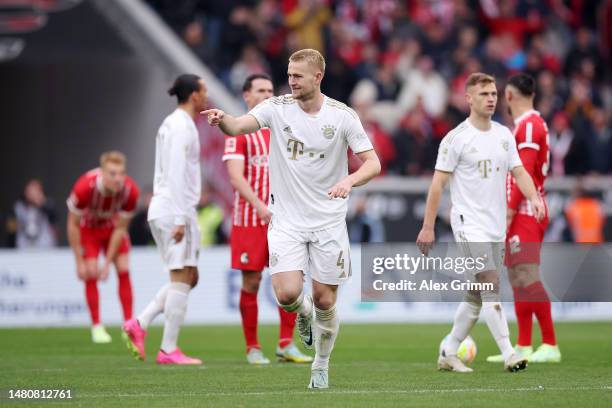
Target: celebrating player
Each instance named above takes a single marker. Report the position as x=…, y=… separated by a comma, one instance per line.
x=172, y=217
x=525, y=234
x=309, y=183
x=476, y=157
x=101, y=205
x=246, y=157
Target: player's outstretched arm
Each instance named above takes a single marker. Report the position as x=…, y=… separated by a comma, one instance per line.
x=230, y=125
x=427, y=236
x=370, y=168
x=525, y=184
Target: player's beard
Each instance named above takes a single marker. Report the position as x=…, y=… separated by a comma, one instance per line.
x=510, y=111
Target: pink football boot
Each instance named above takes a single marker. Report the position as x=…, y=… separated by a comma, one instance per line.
x=176, y=357
x=134, y=337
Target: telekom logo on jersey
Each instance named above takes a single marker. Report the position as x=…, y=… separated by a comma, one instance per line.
x=296, y=150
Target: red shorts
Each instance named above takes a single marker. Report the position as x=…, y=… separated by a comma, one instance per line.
x=524, y=240
x=249, y=248
x=94, y=240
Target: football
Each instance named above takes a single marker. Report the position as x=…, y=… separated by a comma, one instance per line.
x=467, y=349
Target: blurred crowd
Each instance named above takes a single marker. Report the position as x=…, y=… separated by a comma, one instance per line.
x=402, y=64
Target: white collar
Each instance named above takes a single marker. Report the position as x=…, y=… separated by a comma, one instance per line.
x=525, y=114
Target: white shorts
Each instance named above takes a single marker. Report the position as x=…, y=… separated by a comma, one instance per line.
x=324, y=254
x=473, y=243
x=176, y=255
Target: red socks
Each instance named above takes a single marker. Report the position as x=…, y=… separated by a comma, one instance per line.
x=248, y=311
x=542, y=310
x=533, y=299
x=524, y=318
x=287, y=324
x=93, y=302
x=125, y=294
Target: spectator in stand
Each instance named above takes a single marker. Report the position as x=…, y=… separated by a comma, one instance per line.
x=586, y=217
x=251, y=62
x=210, y=218
x=363, y=226
x=561, y=140
x=548, y=97
x=584, y=49
x=600, y=143
x=34, y=218
x=413, y=142
x=306, y=21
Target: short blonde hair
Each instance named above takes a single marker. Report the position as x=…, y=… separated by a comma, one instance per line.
x=478, y=78
x=112, y=156
x=311, y=56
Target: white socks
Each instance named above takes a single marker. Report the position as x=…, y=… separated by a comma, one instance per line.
x=155, y=307
x=175, y=309
x=325, y=330
x=465, y=318
x=496, y=321
x=302, y=305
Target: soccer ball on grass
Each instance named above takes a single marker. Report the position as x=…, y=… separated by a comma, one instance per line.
x=467, y=349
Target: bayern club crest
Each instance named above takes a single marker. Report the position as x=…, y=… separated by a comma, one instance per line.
x=328, y=131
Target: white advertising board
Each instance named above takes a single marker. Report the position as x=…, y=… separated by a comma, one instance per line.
x=40, y=288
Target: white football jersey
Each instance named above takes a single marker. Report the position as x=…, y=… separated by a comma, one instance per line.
x=177, y=181
x=479, y=162
x=308, y=156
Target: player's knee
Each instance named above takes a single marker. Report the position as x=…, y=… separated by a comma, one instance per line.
x=492, y=279
x=323, y=301
x=286, y=297
x=523, y=275
x=92, y=272
x=251, y=281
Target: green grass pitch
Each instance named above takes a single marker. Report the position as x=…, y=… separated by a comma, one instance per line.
x=372, y=365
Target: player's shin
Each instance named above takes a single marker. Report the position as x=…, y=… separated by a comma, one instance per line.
x=465, y=318
x=495, y=318
x=125, y=294
x=287, y=325
x=93, y=300
x=248, y=313
x=524, y=317
x=326, y=327
x=154, y=308
x=174, y=310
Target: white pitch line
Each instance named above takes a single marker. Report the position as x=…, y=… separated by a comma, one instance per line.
x=350, y=392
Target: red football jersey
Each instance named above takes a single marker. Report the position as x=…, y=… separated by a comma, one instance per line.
x=254, y=149
x=96, y=209
x=532, y=141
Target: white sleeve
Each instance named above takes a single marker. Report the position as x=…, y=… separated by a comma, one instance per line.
x=448, y=154
x=263, y=113
x=177, y=166
x=355, y=134
x=514, y=160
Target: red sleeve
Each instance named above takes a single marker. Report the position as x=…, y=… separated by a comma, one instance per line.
x=80, y=195
x=529, y=158
x=131, y=201
x=235, y=148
